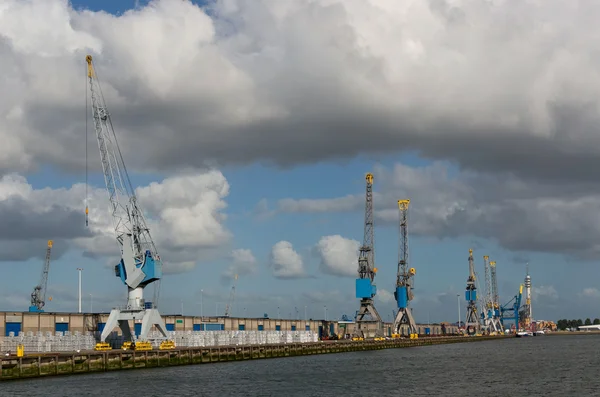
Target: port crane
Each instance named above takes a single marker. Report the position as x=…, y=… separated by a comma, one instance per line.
x=140, y=263
x=38, y=296
x=490, y=312
x=472, y=325
x=228, y=308
x=365, y=286
x=404, y=279
x=510, y=310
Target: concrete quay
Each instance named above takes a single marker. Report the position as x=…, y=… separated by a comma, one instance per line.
x=55, y=364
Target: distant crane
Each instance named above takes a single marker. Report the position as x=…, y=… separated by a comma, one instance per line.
x=365, y=287
x=404, y=284
x=493, y=323
x=472, y=325
x=140, y=263
x=38, y=296
x=510, y=311
x=231, y=297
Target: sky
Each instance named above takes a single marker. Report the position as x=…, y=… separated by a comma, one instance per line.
x=248, y=128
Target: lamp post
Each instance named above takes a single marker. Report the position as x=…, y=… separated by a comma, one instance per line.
x=201, y=304
x=458, y=305
x=79, y=269
x=91, y=304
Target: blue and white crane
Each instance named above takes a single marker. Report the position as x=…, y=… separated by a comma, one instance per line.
x=472, y=325
x=404, y=278
x=38, y=296
x=140, y=263
x=365, y=286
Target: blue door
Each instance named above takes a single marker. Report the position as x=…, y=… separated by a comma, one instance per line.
x=171, y=327
x=331, y=329
x=101, y=327
x=261, y=327
x=196, y=327
x=293, y=327
x=307, y=328
x=61, y=327
x=13, y=327
x=278, y=328
x=241, y=327
x=137, y=329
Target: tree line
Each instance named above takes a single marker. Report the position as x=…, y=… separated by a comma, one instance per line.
x=564, y=323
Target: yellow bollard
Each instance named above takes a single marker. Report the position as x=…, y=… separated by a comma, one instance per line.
x=20, y=350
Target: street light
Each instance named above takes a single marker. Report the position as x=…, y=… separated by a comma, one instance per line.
x=201, y=304
x=79, y=269
x=458, y=302
x=325, y=307
x=91, y=305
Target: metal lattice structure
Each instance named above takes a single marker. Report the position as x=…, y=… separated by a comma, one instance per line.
x=472, y=325
x=229, y=306
x=140, y=263
x=365, y=287
x=404, y=276
x=38, y=296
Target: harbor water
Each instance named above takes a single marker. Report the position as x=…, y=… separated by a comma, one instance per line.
x=544, y=365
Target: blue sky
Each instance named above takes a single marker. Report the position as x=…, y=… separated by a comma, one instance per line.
x=293, y=140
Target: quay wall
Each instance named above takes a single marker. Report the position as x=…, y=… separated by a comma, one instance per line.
x=53, y=364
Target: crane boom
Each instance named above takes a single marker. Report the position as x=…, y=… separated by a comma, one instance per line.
x=140, y=263
x=38, y=296
x=231, y=297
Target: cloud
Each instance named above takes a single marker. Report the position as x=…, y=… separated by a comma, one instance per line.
x=238, y=82
x=285, y=262
x=384, y=296
x=591, y=293
x=448, y=203
x=544, y=292
x=185, y=217
x=243, y=262
x=339, y=255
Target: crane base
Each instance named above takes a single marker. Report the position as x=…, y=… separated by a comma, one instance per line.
x=367, y=314
x=121, y=318
x=404, y=317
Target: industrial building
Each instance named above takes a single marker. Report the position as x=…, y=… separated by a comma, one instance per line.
x=94, y=322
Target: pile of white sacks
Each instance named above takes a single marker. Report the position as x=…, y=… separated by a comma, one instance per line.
x=67, y=342
x=40, y=342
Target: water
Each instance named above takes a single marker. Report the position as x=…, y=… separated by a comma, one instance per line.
x=546, y=365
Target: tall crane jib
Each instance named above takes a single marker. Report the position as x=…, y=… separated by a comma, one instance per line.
x=140, y=263
x=404, y=279
x=365, y=286
x=472, y=325
x=38, y=296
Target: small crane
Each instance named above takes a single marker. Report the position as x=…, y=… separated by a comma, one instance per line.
x=38, y=296
x=231, y=297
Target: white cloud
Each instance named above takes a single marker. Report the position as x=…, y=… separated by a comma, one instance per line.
x=185, y=218
x=285, y=262
x=253, y=73
x=384, y=296
x=591, y=293
x=243, y=262
x=339, y=255
x=544, y=292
